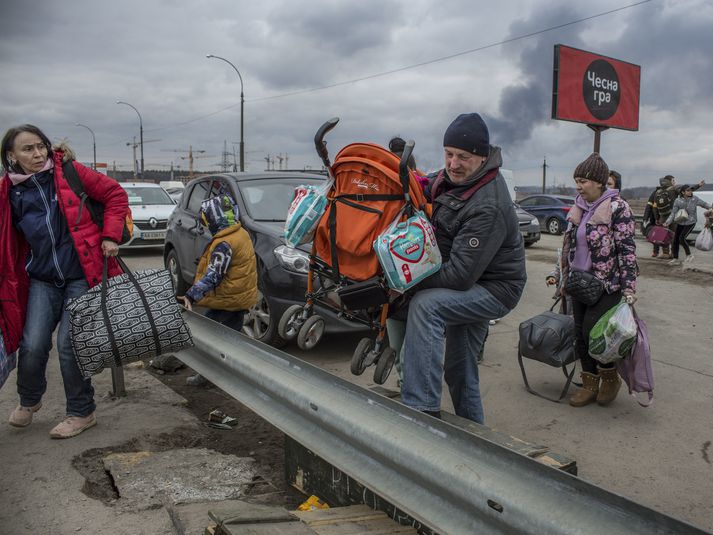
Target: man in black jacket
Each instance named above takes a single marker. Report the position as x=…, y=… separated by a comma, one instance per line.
x=482, y=276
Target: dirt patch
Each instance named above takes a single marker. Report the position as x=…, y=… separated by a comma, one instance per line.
x=251, y=437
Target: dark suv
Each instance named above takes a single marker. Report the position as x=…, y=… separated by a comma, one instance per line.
x=263, y=200
x=550, y=210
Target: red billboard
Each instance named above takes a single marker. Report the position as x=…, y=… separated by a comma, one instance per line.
x=593, y=89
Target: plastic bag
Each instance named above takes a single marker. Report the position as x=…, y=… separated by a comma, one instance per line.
x=313, y=503
x=636, y=371
x=407, y=251
x=704, y=241
x=614, y=335
x=681, y=216
x=305, y=212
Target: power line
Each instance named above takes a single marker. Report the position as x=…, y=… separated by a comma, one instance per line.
x=412, y=66
x=451, y=56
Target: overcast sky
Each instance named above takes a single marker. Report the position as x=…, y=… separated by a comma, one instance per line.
x=69, y=62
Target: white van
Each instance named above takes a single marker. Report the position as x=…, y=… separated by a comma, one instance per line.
x=706, y=196
x=174, y=188
x=171, y=184
x=510, y=181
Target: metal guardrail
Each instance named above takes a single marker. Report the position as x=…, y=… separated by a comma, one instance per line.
x=448, y=479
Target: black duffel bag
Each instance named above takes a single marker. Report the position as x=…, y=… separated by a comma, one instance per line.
x=548, y=338
x=126, y=318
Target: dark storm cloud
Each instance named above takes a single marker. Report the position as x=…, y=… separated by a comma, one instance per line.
x=343, y=29
x=308, y=44
x=672, y=47
x=71, y=64
x=528, y=103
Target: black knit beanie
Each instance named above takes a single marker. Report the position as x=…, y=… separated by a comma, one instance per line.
x=666, y=181
x=593, y=168
x=397, y=145
x=469, y=133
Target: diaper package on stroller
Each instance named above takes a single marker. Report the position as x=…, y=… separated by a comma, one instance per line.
x=370, y=189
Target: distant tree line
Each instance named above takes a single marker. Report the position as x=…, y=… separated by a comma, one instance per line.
x=152, y=176
x=638, y=192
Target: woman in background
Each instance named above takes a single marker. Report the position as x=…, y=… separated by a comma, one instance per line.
x=690, y=203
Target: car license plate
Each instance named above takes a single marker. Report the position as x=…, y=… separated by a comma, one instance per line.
x=158, y=235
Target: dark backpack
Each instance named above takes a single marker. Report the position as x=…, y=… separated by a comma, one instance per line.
x=95, y=208
x=664, y=201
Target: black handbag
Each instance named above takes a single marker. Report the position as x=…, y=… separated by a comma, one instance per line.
x=548, y=338
x=584, y=287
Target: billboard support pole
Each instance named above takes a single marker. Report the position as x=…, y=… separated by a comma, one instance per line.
x=598, y=129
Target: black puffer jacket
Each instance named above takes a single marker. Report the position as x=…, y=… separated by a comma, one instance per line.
x=478, y=235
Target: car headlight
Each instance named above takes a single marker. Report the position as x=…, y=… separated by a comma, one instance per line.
x=292, y=259
x=534, y=221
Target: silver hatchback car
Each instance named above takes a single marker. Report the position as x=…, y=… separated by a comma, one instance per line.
x=529, y=226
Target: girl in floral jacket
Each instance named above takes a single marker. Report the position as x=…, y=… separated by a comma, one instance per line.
x=599, y=240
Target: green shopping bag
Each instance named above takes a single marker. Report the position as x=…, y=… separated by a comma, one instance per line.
x=614, y=335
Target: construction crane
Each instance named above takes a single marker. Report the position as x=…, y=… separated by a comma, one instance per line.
x=133, y=146
x=190, y=157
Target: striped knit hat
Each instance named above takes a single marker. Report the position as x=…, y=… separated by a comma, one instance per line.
x=219, y=212
x=593, y=168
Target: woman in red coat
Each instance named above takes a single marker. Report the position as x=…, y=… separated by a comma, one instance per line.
x=50, y=251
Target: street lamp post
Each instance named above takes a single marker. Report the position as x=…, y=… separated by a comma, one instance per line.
x=94, y=142
x=141, y=134
x=242, y=115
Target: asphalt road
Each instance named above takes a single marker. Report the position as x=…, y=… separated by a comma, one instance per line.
x=661, y=456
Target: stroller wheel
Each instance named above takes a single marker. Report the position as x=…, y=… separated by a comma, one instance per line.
x=358, y=362
x=384, y=365
x=310, y=333
x=290, y=323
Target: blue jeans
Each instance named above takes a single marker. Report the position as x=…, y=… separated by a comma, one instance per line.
x=45, y=309
x=229, y=318
x=445, y=332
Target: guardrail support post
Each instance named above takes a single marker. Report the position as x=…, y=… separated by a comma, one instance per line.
x=117, y=382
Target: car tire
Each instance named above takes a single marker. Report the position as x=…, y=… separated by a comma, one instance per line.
x=174, y=270
x=554, y=226
x=260, y=324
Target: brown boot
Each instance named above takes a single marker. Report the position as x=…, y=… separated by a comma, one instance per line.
x=588, y=393
x=609, y=387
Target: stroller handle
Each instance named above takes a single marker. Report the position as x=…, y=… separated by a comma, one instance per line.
x=403, y=168
x=319, y=142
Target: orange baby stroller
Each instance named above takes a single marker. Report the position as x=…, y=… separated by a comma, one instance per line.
x=372, y=186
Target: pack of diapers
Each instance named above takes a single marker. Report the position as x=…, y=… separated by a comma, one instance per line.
x=305, y=212
x=407, y=252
